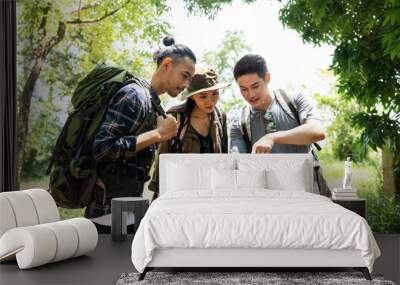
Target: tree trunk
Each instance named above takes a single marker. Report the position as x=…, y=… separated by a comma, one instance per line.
x=388, y=172
x=26, y=96
x=396, y=164
x=24, y=111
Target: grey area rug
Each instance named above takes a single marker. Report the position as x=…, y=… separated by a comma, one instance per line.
x=244, y=278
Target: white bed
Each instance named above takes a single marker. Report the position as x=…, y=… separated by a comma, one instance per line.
x=247, y=211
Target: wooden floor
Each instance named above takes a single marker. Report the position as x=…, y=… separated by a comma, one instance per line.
x=110, y=259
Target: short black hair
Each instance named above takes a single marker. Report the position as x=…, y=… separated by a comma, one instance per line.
x=251, y=63
x=176, y=51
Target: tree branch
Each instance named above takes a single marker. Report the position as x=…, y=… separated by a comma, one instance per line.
x=57, y=38
x=79, y=21
x=52, y=42
x=86, y=7
x=42, y=27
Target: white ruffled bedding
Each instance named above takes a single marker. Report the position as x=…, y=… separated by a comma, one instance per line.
x=252, y=218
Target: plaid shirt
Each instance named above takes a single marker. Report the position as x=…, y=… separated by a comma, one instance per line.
x=125, y=115
x=116, y=136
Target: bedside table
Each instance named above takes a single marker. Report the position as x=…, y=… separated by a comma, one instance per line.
x=120, y=207
x=358, y=206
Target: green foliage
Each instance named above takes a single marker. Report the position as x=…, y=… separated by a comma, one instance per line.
x=66, y=214
x=39, y=146
x=366, y=60
x=230, y=50
x=42, y=183
x=380, y=129
x=342, y=136
x=121, y=32
x=124, y=38
x=365, y=174
x=383, y=213
x=209, y=8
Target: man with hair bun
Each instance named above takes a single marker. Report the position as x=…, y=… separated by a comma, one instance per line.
x=125, y=144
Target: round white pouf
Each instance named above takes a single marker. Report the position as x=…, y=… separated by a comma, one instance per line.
x=32, y=246
x=87, y=235
x=23, y=208
x=7, y=218
x=45, y=205
x=40, y=244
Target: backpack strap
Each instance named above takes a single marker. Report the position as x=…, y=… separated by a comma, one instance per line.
x=156, y=109
x=245, y=126
x=221, y=123
x=288, y=105
x=220, y=120
x=146, y=87
x=183, y=122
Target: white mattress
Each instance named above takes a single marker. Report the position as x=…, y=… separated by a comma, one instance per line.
x=253, y=218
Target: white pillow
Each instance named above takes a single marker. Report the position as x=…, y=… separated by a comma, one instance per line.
x=183, y=177
x=223, y=179
x=280, y=180
x=251, y=178
x=283, y=172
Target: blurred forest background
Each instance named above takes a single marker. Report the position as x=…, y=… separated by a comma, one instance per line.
x=60, y=41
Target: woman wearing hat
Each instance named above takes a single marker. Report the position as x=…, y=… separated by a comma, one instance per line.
x=202, y=125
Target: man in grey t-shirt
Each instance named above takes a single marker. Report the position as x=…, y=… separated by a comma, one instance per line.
x=271, y=128
x=283, y=122
x=287, y=136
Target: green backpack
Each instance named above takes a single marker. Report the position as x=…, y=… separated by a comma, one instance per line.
x=73, y=167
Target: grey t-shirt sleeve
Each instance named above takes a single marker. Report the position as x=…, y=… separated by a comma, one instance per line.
x=306, y=108
x=236, y=136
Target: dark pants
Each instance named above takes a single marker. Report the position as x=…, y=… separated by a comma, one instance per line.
x=102, y=197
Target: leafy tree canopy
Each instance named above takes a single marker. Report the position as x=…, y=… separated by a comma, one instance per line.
x=366, y=61
x=232, y=47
